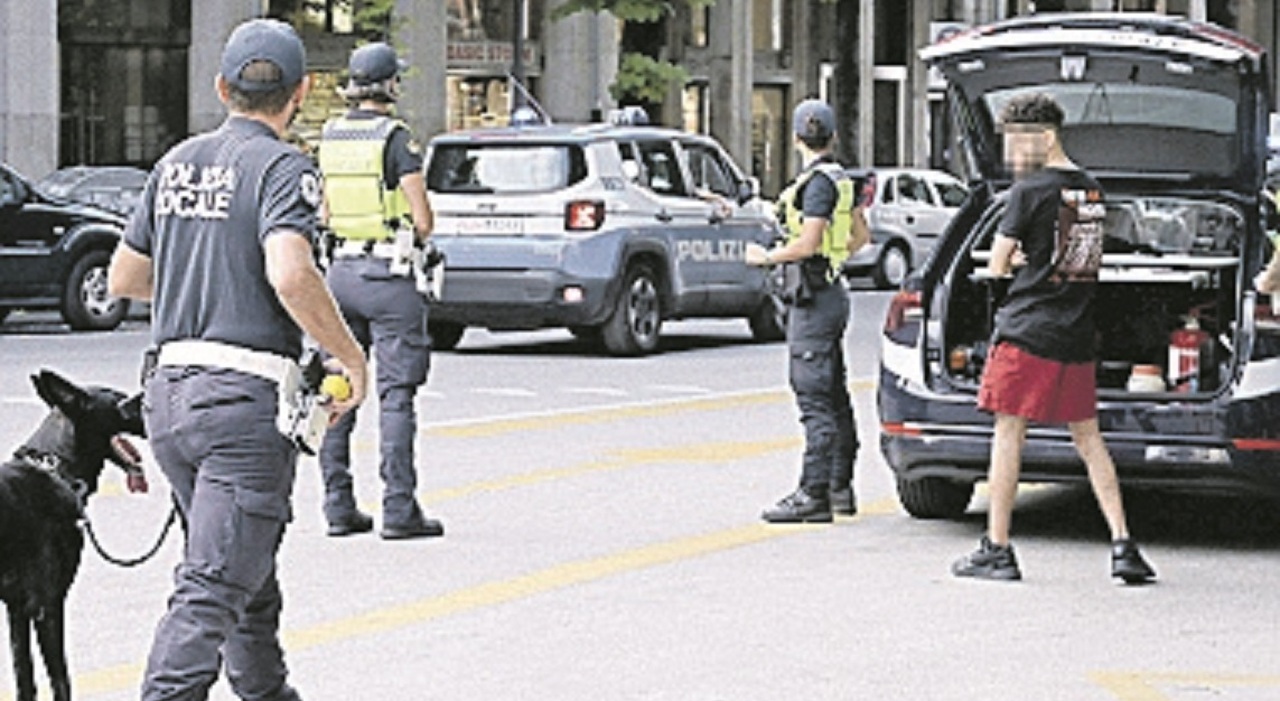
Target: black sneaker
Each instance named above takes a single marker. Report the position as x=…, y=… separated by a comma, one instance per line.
x=421, y=528
x=1127, y=563
x=799, y=507
x=355, y=522
x=989, y=561
x=842, y=501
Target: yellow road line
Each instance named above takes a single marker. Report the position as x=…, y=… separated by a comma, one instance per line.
x=391, y=618
x=120, y=677
x=1143, y=686
x=540, y=582
x=578, y=417
x=621, y=459
x=482, y=428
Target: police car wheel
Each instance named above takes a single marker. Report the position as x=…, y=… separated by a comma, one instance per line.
x=445, y=335
x=86, y=306
x=769, y=320
x=636, y=322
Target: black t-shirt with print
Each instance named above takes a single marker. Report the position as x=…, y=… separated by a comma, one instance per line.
x=1057, y=215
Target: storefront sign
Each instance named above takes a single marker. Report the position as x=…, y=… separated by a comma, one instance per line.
x=489, y=57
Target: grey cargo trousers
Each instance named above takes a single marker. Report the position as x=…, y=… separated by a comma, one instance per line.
x=387, y=313
x=815, y=342
x=214, y=435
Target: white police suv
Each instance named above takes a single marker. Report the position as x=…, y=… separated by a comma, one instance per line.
x=605, y=230
x=1171, y=116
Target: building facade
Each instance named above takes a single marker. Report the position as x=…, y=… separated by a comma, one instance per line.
x=120, y=81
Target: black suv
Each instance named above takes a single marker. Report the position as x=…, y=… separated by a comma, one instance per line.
x=54, y=255
x=1171, y=116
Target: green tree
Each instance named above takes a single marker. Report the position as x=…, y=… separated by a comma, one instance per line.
x=371, y=19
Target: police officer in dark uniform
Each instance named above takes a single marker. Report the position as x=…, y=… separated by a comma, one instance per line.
x=376, y=199
x=817, y=211
x=221, y=244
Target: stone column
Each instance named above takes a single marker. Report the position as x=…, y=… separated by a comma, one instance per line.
x=29, y=86
x=580, y=61
x=204, y=58
x=422, y=36
x=917, y=147
x=732, y=78
x=866, y=85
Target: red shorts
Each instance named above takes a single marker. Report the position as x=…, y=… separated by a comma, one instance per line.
x=1018, y=383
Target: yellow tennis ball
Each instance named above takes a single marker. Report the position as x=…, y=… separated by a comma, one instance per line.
x=336, y=386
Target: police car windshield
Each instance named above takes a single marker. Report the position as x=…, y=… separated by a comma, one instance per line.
x=504, y=168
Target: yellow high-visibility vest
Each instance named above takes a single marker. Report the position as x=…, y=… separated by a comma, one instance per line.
x=351, y=154
x=835, y=239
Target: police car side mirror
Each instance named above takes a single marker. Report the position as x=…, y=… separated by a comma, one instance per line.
x=748, y=190
x=12, y=192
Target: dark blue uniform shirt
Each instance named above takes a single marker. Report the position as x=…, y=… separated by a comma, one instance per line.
x=209, y=205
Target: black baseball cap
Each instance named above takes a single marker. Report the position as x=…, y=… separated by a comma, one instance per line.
x=267, y=40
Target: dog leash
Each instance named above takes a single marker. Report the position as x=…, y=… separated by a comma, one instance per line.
x=87, y=525
x=80, y=491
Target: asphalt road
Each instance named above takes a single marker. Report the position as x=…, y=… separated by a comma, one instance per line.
x=603, y=542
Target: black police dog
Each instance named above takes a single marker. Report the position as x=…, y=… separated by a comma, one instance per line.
x=43, y=489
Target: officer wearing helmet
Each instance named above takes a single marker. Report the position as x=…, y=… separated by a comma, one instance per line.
x=378, y=211
x=817, y=212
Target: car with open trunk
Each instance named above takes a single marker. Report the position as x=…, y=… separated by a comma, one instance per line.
x=1171, y=117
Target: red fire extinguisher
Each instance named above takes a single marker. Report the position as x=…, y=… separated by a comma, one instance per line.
x=1184, y=355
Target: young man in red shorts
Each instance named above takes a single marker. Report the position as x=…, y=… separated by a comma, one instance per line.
x=1041, y=367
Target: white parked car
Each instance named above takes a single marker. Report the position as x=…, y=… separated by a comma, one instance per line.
x=907, y=210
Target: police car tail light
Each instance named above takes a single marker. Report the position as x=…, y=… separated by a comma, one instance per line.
x=1266, y=311
x=868, y=195
x=905, y=308
x=584, y=215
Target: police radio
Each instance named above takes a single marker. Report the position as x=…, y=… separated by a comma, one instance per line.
x=429, y=273
x=405, y=256
x=303, y=417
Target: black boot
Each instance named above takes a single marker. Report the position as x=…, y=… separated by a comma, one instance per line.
x=843, y=501
x=352, y=523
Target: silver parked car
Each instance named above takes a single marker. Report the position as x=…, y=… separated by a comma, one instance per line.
x=907, y=210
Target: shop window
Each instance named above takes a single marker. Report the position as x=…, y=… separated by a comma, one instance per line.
x=770, y=138
x=122, y=64
x=696, y=108
x=699, y=34
x=769, y=24
x=477, y=102
x=491, y=20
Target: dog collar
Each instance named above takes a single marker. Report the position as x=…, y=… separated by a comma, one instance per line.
x=52, y=463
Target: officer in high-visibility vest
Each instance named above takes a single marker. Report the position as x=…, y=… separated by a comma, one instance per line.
x=376, y=201
x=818, y=212
x=1268, y=281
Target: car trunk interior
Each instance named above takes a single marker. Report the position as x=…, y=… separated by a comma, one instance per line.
x=1166, y=297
